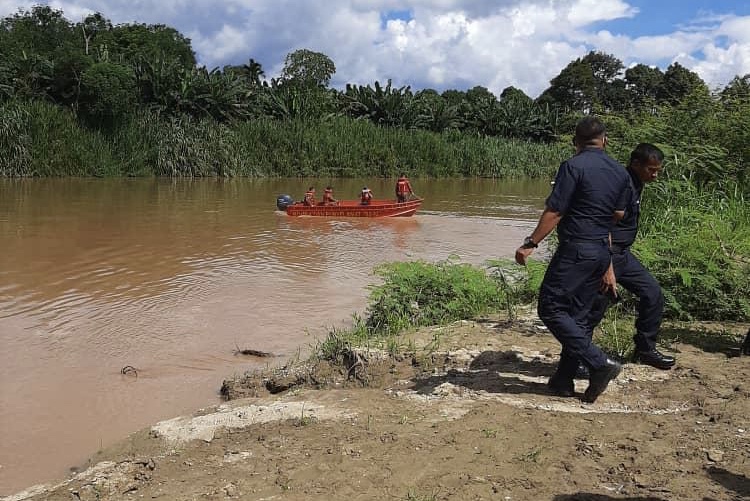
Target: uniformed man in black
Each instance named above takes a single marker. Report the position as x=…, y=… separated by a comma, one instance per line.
x=590, y=193
x=644, y=167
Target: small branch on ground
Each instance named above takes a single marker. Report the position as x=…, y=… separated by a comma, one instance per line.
x=129, y=370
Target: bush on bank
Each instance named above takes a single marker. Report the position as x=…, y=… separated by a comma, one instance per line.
x=420, y=293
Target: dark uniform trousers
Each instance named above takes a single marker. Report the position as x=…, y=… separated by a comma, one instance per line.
x=569, y=288
x=631, y=274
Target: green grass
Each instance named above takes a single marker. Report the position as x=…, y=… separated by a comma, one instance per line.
x=420, y=293
x=697, y=245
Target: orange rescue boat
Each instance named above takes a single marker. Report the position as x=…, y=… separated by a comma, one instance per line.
x=350, y=208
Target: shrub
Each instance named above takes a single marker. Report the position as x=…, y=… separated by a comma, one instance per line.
x=419, y=293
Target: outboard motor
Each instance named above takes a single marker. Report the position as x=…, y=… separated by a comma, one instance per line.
x=284, y=201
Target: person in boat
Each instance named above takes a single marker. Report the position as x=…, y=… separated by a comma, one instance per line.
x=309, y=199
x=328, y=197
x=366, y=196
x=403, y=188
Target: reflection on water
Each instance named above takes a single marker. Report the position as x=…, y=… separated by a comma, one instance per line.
x=171, y=277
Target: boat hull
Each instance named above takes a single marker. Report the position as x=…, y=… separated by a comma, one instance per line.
x=352, y=208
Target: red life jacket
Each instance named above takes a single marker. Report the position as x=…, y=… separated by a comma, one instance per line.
x=402, y=186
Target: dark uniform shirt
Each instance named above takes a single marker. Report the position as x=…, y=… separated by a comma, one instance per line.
x=624, y=232
x=589, y=188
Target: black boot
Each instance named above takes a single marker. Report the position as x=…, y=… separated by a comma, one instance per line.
x=582, y=372
x=561, y=386
x=746, y=344
x=599, y=380
x=654, y=358
x=561, y=382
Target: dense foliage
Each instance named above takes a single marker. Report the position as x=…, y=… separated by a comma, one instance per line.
x=114, y=82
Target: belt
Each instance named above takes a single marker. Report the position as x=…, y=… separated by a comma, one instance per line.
x=603, y=241
x=618, y=249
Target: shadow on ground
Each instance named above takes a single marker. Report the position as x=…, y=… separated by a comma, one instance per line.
x=707, y=340
x=490, y=371
x=730, y=481
x=584, y=496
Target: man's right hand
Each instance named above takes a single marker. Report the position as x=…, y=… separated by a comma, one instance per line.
x=609, y=282
x=522, y=253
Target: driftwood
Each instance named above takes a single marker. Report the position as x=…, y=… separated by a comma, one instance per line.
x=253, y=353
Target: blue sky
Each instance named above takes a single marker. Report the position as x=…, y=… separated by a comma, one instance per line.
x=443, y=44
x=665, y=16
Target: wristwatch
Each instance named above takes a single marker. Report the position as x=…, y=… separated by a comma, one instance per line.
x=528, y=243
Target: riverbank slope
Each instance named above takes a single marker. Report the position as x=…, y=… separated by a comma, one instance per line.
x=463, y=413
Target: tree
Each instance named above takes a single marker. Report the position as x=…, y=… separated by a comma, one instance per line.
x=479, y=112
x=738, y=90
x=32, y=75
x=642, y=84
x=251, y=73
x=574, y=88
x=108, y=92
x=587, y=84
x=512, y=93
x=91, y=26
x=604, y=67
x=610, y=90
x=40, y=31
x=382, y=105
x=308, y=69
x=679, y=82
x=31, y=43
x=133, y=42
x=65, y=84
x=454, y=97
x=434, y=113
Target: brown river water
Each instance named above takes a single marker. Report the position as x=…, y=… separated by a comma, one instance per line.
x=170, y=277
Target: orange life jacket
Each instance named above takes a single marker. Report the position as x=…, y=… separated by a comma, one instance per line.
x=310, y=197
x=402, y=186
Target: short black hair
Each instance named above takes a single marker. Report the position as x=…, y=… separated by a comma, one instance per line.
x=645, y=152
x=588, y=129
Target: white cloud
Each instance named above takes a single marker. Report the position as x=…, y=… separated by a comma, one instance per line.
x=443, y=43
x=721, y=64
x=585, y=12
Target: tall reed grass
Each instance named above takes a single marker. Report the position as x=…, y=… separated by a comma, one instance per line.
x=41, y=139
x=697, y=244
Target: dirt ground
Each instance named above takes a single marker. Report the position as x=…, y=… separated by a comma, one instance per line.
x=464, y=415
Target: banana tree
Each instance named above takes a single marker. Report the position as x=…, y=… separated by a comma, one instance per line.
x=386, y=106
